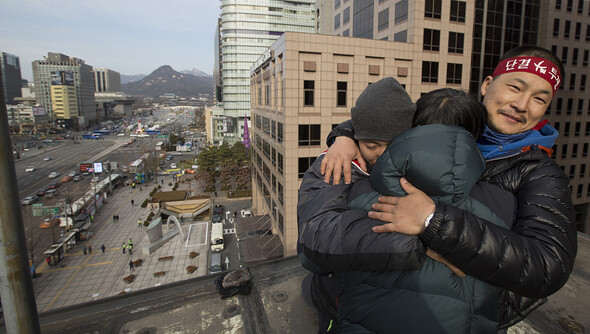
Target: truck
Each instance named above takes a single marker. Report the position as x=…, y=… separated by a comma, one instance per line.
x=216, y=237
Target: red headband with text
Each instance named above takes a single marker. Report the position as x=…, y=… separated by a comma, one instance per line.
x=535, y=65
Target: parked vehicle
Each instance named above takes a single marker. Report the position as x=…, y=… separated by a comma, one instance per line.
x=216, y=237
x=217, y=264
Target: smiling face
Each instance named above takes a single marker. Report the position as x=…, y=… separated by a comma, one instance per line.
x=372, y=149
x=515, y=101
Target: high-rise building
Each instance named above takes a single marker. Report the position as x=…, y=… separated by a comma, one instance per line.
x=564, y=28
x=323, y=16
x=106, y=80
x=246, y=31
x=11, y=76
x=304, y=86
x=83, y=85
x=63, y=98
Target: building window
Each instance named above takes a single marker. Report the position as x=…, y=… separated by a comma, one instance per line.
x=309, y=134
x=580, y=106
x=572, y=171
x=582, y=170
x=580, y=190
x=280, y=132
x=431, y=40
x=585, y=60
x=346, y=33
x=274, y=129
x=401, y=36
x=585, y=148
x=341, y=87
x=383, y=20
x=554, y=49
x=401, y=11
x=336, y=4
x=456, y=42
x=577, y=129
x=570, y=106
x=580, y=6
x=566, y=30
x=304, y=164
x=558, y=4
x=583, y=82
x=280, y=163
x=346, y=15
x=273, y=156
x=337, y=21
x=587, y=133
x=570, y=5
x=578, y=31
x=308, y=88
x=555, y=27
x=433, y=9
x=267, y=94
x=566, y=130
x=564, y=151
x=564, y=55
x=454, y=72
x=575, y=56
x=429, y=71
x=556, y=126
x=588, y=33
x=280, y=194
x=458, y=11
x=573, y=81
x=281, y=222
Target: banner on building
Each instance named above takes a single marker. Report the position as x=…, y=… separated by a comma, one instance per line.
x=62, y=78
x=38, y=111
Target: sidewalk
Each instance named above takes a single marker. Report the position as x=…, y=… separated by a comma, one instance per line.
x=80, y=278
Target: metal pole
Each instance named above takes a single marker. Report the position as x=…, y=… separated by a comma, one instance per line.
x=16, y=286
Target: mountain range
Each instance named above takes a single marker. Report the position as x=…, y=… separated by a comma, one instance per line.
x=166, y=80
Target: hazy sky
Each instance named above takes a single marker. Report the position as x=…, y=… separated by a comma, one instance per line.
x=128, y=36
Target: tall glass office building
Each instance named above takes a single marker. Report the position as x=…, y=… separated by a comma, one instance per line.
x=247, y=29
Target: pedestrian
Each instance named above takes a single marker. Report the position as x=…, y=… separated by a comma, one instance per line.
x=117, y=217
x=139, y=223
x=131, y=268
x=102, y=248
x=216, y=194
x=235, y=213
x=84, y=250
x=90, y=249
x=124, y=246
x=132, y=202
x=130, y=247
x=114, y=217
x=162, y=181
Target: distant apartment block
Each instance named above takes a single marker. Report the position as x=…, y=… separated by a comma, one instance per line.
x=11, y=77
x=106, y=80
x=324, y=10
x=246, y=30
x=302, y=87
x=83, y=85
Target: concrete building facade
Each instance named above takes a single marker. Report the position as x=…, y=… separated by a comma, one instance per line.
x=302, y=87
x=564, y=28
x=83, y=84
x=11, y=77
x=106, y=80
x=246, y=30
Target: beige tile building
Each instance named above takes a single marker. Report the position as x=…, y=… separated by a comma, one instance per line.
x=564, y=28
x=302, y=87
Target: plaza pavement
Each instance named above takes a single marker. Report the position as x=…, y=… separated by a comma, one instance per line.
x=81, y=278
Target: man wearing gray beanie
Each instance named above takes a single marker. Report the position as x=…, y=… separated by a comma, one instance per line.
x=382, y=111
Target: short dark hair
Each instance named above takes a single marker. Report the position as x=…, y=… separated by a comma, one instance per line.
x=535, y=51
x=451, y=107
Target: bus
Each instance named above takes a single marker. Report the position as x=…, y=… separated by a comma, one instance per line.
x=91, y=136
x=216, y=237
x=159, y=145
x=102, y=132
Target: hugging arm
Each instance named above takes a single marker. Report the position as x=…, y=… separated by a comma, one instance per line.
x=534, y=258
x=334, y=238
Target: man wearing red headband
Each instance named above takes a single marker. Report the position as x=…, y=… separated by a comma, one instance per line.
x=535, y=257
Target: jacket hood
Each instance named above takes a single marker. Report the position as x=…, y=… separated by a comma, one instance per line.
x=441, y=160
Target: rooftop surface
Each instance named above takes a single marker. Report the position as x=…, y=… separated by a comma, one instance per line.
x=275, y=305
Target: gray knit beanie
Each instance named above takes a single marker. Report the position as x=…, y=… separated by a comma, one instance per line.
x=382, y=111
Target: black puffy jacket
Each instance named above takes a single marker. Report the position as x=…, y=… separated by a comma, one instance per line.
x=535, y=257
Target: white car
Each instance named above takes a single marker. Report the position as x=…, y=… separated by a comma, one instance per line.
x=173, y=165
x=29, y=200
x=53, y=175
x=30, y=169
x=46, y=158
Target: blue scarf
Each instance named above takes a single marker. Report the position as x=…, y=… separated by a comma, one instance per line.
x=495, y=145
